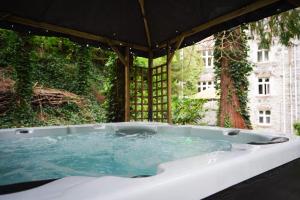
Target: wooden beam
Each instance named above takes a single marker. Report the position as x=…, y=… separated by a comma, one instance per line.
x=128, y=61
x=72, y=32
x=150, y=87
x=142, y=5
x=239, y=12
x=119, y=54
x=169, y=82
x=177, y=45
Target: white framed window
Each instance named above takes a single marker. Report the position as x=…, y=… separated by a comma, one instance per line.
x=203, y=85
x=208, y=58
x=264, y=117
x=262, y=55
x=264, y=86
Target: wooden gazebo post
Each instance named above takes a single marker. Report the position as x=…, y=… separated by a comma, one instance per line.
x=169, y=82
x=150, y=88
x=126, y=60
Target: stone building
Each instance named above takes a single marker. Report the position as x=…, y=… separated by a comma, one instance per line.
x=274, y=90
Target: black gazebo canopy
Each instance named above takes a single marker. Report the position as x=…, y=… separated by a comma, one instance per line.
x=142, y=25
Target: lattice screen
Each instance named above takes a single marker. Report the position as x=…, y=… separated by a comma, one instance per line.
x=160, y=87
x=139, y=93
x=139, y=87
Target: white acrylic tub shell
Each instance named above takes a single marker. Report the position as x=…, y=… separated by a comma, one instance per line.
x=192, y=178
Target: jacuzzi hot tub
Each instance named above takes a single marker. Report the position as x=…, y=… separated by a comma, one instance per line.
x=143, y=161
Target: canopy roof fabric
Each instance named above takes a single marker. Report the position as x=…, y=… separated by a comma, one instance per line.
x=142, y=25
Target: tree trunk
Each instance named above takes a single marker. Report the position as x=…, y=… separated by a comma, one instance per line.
x=230, y=114
x=229, y=102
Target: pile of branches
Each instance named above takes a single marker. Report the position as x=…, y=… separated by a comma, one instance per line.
x=53, y=97
x=42, y=96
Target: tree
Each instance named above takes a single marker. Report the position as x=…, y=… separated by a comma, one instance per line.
x=285, y=26
x=231, y=70
x=186, y=68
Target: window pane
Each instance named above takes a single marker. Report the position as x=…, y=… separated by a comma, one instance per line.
x=209, y=61
x=266, y=55
x=260, y=89
x=260, y=80
x=261, y=120
x=204, y=88
x=267, y=79
x=203, y=83
x=268, y=120
x=199, y=89
x=267, y=89
x=259, y=56
x=261, y=112
x=210, y=52
x=268, y=112
x=209, y=82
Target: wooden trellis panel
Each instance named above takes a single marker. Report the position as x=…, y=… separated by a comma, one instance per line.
x=160, y=92
x=139, y=93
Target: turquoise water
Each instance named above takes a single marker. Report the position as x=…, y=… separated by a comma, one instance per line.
x=94, y=154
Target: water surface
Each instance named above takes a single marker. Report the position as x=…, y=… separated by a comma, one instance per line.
x=95, y=154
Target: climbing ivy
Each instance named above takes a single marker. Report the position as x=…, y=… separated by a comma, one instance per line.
x=9, y=44
x=23, y=69
x=239, y=68
x=52, y=62
x=84, y=64
x=111, y=98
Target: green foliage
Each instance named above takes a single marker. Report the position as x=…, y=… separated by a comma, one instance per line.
x=54, y=63
x=297, y=128
x=187, y=65
x=285, y=26
x=113, y=113
x=23, y=68
x=187, y=111
x=9, y=44
x=139, y=61
x=239, y=67
x=227, y=122
x=84, y=63
x=67, y=114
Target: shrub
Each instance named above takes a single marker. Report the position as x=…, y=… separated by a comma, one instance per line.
x=297, y=128
x=187, y=111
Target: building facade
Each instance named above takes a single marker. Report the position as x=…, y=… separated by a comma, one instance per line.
x=274, y=90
